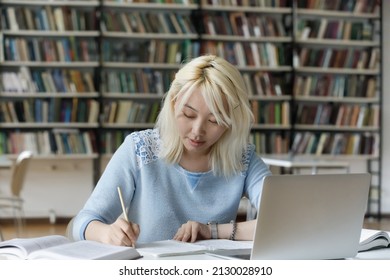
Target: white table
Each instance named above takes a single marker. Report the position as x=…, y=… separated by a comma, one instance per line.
x=295, y=164
x=5, y=163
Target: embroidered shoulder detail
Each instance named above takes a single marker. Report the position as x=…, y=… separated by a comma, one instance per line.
x=147, y=146
x=246, y=155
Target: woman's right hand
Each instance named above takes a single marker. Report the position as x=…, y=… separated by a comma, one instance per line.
x=121, y=232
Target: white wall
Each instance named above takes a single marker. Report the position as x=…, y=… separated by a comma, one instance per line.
x=385, y=110
x=53, y=187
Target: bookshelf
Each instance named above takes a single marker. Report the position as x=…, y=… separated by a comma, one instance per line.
x=143, y=45
x=49, y=99
x=257, y=38
x=313, y=72
x=337, y=84
x=48, y=95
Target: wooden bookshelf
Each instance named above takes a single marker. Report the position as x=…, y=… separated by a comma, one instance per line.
x=349, y=88
x=137, y=72
x=257, y=39
x=337, y=83
x=49, y=100
x=48, y=62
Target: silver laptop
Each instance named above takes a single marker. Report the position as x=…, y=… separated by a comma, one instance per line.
x=310, y=216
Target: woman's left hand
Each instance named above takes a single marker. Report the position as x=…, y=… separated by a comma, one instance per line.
x=192, y=231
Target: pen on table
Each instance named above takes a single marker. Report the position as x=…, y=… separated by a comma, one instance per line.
x=123, y=208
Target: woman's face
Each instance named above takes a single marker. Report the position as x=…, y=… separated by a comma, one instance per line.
x=197, y=126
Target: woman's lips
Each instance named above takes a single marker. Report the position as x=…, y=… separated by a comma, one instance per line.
x=196, y=143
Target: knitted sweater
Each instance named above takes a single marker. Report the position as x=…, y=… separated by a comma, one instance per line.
x=160, y=197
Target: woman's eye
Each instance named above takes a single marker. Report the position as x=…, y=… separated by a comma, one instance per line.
x=188, y=116
x=213, y=121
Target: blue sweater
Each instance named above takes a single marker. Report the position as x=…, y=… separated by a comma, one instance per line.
x=161, y=197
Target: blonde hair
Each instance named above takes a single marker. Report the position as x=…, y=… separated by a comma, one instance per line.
x=217, y=80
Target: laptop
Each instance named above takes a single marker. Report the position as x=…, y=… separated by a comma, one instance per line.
x=310, y=216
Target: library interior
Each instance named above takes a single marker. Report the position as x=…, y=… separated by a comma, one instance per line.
x=78, y=76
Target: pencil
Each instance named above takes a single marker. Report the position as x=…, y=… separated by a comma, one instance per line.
x=123, y=204
x=124, y=209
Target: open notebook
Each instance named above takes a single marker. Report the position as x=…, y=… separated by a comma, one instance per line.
x=310, y=216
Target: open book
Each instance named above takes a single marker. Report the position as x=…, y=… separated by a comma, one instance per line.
x=167, y=248
x=59, y=247
x=373, y=239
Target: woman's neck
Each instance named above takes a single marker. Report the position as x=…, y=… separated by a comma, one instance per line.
x=194, y=163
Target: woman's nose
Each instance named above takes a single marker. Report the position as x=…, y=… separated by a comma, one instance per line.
x=198, y=127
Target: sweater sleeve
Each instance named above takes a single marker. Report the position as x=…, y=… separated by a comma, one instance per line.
x=256, y=172
x=103, y=204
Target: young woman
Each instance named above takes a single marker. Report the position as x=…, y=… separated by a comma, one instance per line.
x=183, y=179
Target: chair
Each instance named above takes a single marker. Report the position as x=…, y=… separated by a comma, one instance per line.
x=13, y=200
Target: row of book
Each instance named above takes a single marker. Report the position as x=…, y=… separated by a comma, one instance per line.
x=339, y=58
x=326, y=143
x=270, y=142
x=248, y=53
x=352, y=115
x=152, y=81
x=56, y=141
x=147, y=22
x=160, y=51
x=277, y=113
x=248, y=3
x=137, y=81
x=75, y=142
x=49, y=110
x=338, y=29
x=149, y=51
x=50, y=49
x=145, y=80
x=128, y=111
x=267, y=84
x=48, y=18
x=28, y=80
x=336, y=86
x=243, y=24
x=156, y=81
x=356, y=6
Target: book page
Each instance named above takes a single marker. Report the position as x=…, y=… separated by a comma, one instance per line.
x=86, y=249
x=175, y=248
x=169, y=248
x=368, y=235
x=373, y=239
x=224, y=244
x=22, y=247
